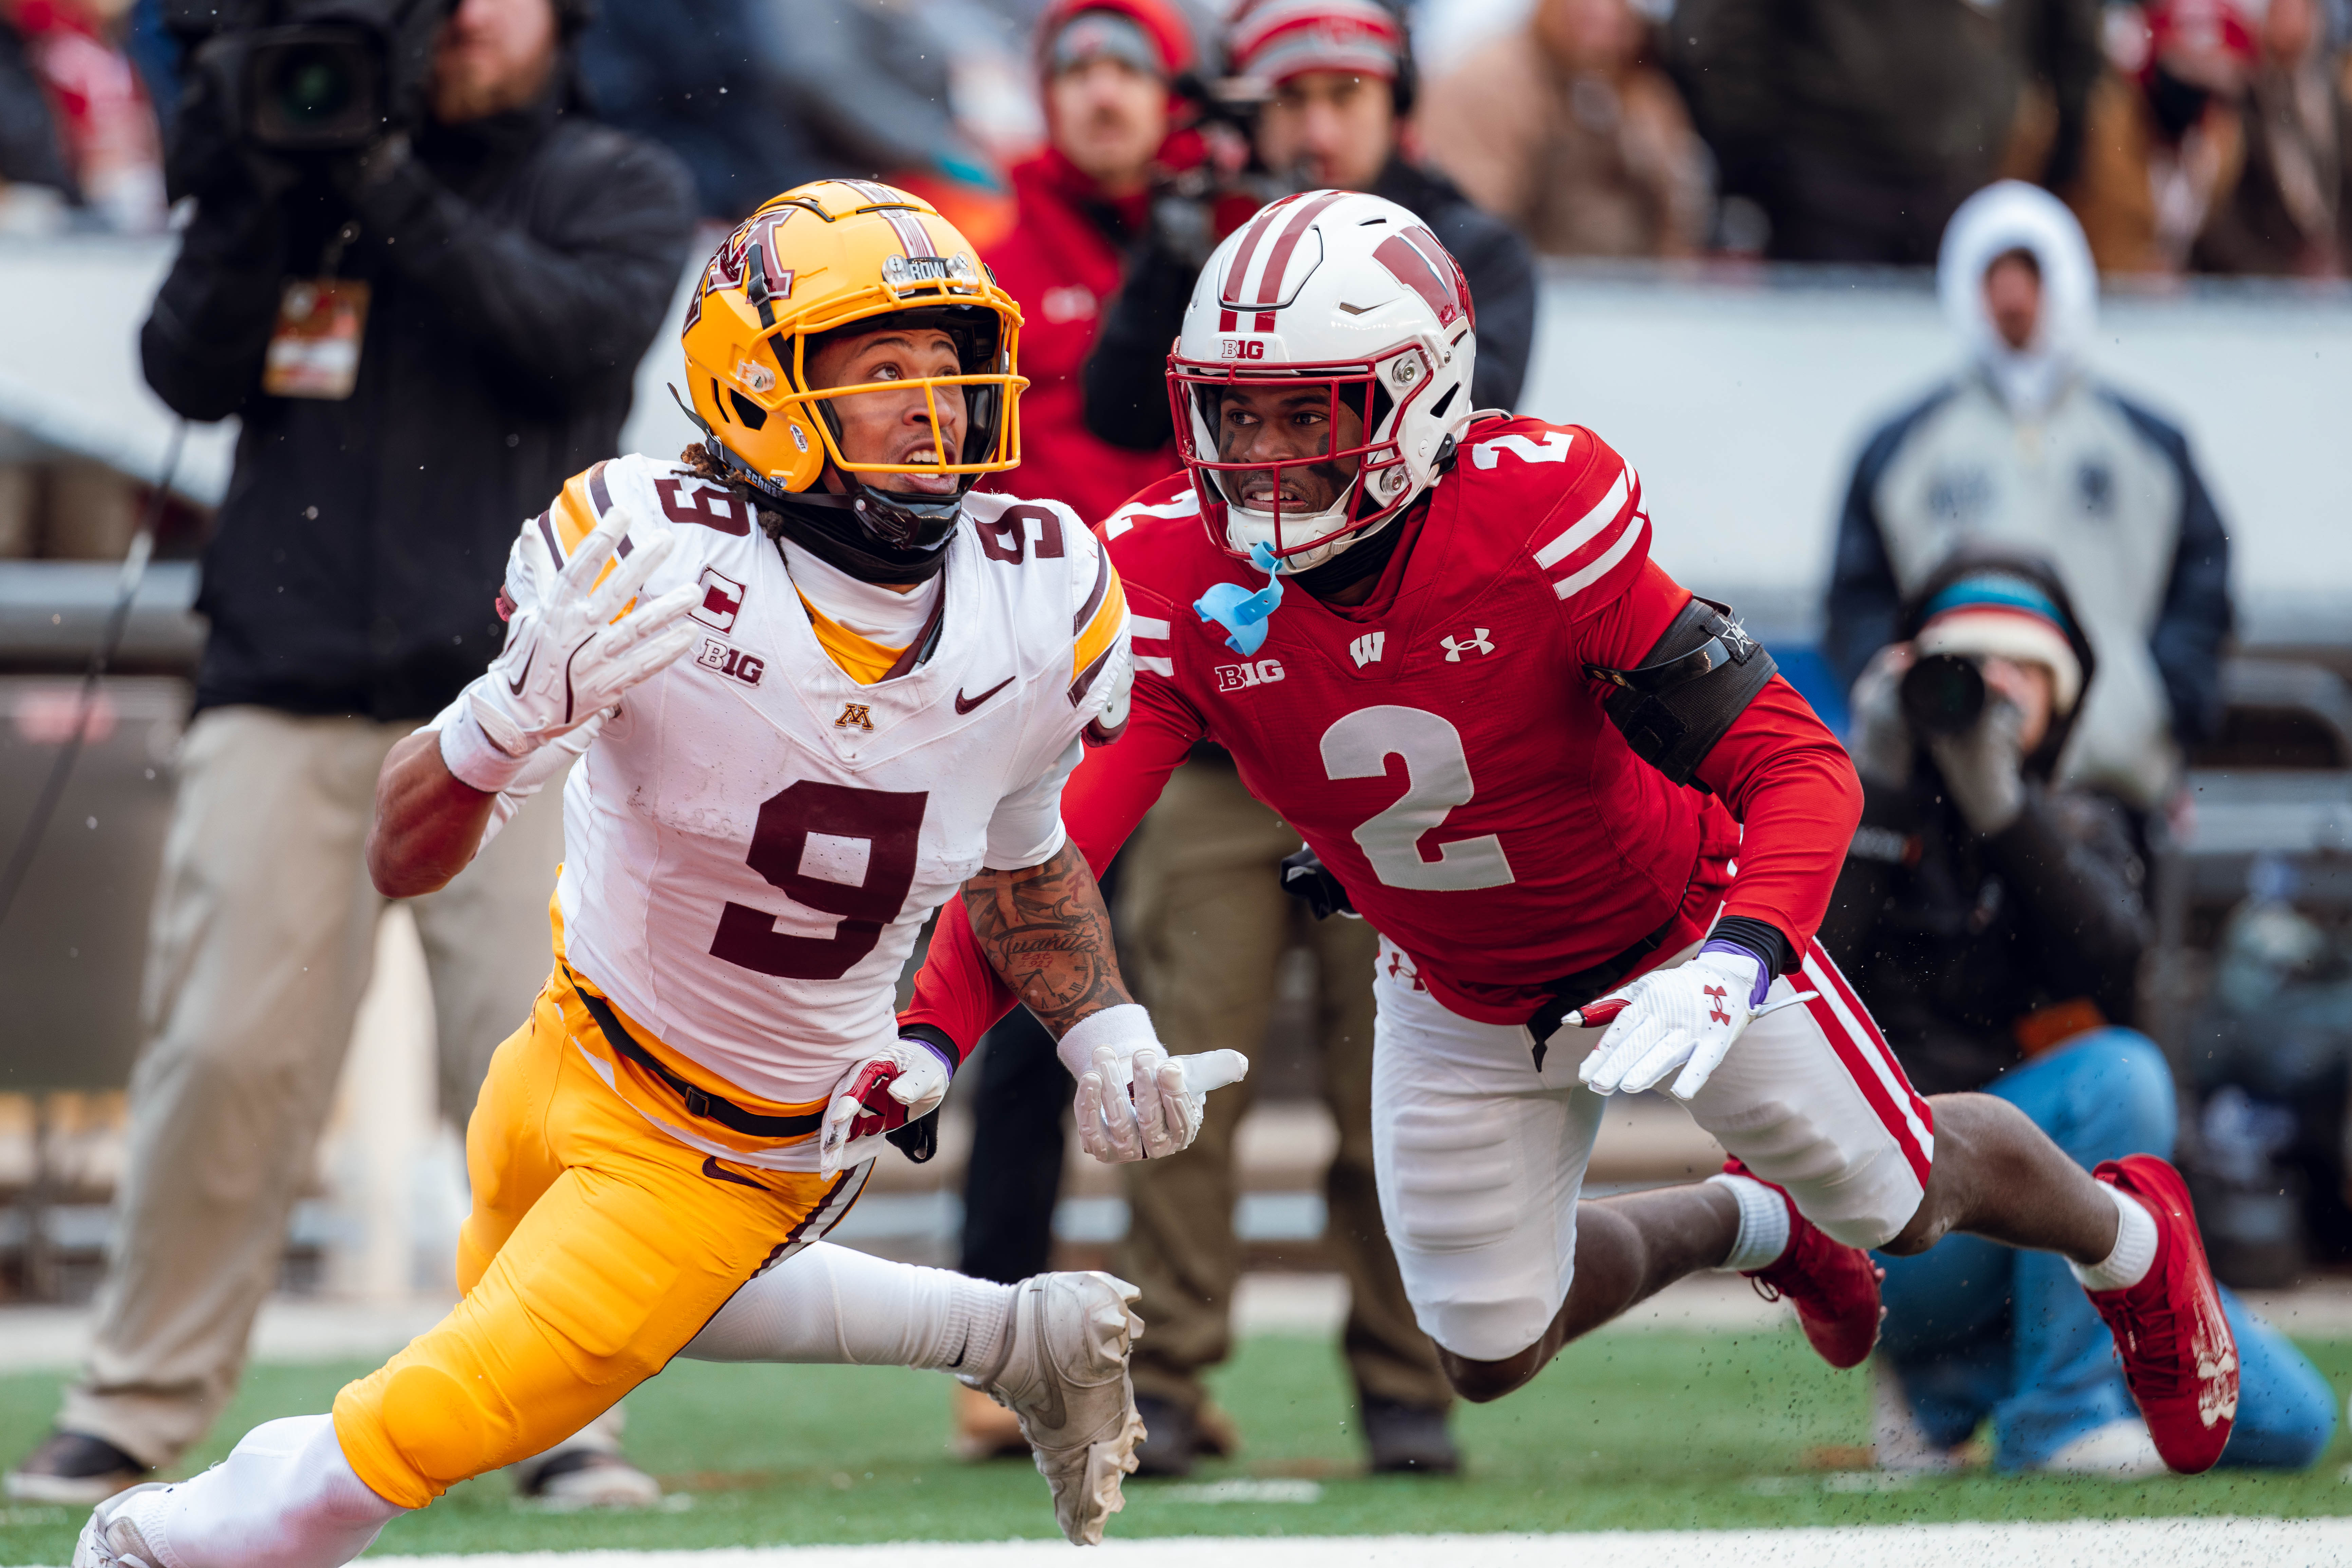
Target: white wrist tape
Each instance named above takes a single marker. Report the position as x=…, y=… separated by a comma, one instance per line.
x=1126, y=1028
x=470, y=757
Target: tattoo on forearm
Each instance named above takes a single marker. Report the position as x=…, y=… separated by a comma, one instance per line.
x=1045, y=931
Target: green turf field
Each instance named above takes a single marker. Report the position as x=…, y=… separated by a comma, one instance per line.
x=1630, y=1430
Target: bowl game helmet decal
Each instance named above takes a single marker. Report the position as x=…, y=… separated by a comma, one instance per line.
x=821, y=256
x=1343, y=291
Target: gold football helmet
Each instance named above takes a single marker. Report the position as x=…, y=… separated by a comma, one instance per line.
x=819, y=257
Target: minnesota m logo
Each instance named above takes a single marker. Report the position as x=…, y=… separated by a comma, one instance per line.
x=855, y=716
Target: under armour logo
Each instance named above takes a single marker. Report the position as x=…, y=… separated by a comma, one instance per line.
x=1400, y=970
x=1715, y=1008
x=1367, y=648
x=1736, y=638
x=1455, y=650
x=855, y=716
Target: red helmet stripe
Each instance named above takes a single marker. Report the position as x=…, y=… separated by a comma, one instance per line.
x=1269, y=284
x=1268, y=293
x=1238, y=271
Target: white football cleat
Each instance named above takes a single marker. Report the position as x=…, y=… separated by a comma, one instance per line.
x=1066, y=1381
x=112, y=1539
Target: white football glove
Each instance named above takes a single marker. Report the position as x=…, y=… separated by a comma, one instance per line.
x=1135, y=1102
x=1152, y=1105
x=1685, y=1017
x=879, y=1095
x=571, y=653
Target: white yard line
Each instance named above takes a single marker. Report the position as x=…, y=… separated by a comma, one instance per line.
x=2133, y=1543
x=2083, y=1544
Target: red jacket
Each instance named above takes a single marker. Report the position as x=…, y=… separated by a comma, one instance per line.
x=1063, y=265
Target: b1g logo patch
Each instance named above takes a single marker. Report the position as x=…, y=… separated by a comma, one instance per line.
x=1242, y=348
x=1241, y=677
x=731, y=662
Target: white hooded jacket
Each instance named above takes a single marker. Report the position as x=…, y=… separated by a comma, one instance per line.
x=2026, y=447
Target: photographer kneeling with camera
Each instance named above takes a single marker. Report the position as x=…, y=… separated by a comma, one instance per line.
x=1993, y=920
x=423, y=279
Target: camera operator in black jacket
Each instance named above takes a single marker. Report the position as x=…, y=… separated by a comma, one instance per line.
x=1338, y=81
x=424, y=335
x=1993, y=922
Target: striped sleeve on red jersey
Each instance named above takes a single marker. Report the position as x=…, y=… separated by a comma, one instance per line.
x=1148, y=612
x=1593, y=546
x=1595, y=535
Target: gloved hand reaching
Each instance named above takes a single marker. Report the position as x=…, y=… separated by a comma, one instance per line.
x=570, y=652
x=1134, y=1100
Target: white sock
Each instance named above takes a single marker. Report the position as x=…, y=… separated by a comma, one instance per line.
x=833, y=1304
x=285, y=1498
x=1763, y=1224
x=2135, y=1252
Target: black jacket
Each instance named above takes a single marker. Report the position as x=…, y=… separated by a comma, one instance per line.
x=1951, y=938
x=1127, y=375
x=519, y=267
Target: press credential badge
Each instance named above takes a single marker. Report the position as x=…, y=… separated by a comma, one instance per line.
x=315, y=349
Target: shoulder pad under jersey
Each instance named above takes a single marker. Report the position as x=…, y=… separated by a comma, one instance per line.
x=1590, y=534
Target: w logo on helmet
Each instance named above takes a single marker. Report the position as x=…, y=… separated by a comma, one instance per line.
x=1416, y=260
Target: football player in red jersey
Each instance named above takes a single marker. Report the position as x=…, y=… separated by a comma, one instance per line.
x=1595, y=831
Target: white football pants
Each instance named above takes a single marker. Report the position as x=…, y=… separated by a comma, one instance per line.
x=1481, y=1155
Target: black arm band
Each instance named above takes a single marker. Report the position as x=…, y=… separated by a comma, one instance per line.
x=1771, y=945
x=1698, y=676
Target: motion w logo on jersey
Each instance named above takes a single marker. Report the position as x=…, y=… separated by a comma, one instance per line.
x=1366, y=649
x=1241, y=677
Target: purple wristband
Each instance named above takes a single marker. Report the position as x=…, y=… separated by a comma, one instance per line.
x=1763, y=965
x=933, y=1047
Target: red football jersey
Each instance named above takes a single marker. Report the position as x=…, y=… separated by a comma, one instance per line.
x=1443, y=750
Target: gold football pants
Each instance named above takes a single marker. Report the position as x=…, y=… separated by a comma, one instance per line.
x=597, y=1247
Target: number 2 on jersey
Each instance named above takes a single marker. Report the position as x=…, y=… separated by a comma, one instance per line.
x=860, y=845
x=1437, y=779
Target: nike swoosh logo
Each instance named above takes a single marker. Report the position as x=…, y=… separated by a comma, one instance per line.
x=966, y=704
x=717, y=1173
x=515, y=685
x=1051, y=1413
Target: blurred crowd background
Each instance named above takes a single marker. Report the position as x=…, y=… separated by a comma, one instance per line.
x=2190, y=136
x=1095, y=150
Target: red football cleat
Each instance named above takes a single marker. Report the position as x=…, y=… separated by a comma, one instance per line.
x=1833, y=1286
x=2179, y=1354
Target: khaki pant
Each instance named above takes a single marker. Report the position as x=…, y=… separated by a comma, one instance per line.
x=1204, y=922
x=263, y=937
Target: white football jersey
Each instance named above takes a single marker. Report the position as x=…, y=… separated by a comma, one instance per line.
x=753, y=839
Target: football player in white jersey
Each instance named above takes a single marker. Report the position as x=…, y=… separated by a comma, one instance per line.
x=813, y=687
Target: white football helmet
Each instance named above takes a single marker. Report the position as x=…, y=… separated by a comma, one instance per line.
x=1339, y=289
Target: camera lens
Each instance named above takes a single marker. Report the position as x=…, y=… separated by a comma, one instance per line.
x=1943, y=694
x=314, y=86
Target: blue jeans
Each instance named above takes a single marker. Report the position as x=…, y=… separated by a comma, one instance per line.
x=1977, y=1330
